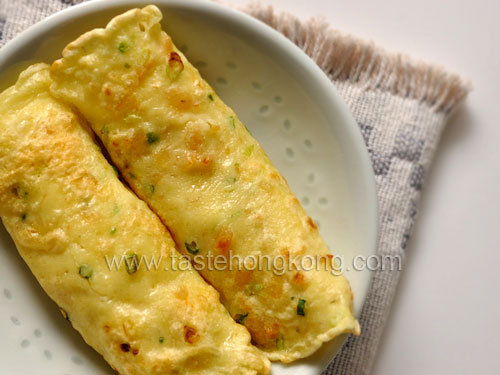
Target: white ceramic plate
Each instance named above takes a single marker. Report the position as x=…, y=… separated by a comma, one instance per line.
x=278, y=92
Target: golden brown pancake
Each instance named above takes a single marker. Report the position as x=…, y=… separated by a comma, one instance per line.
x=70, y=216
x=186, y=154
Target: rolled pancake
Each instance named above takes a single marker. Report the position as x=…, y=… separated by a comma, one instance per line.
x=185, y=153
x=70, y=216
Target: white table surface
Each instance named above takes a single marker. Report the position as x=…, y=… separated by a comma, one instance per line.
x=446, y=314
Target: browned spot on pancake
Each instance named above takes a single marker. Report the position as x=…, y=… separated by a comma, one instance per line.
x=275, y=176
x=243, y=277
x=223, y=241
x=127, y=104
x=182, y=293
x=273, y=331
x=311, y=223
x=298, y=278
x=198, y=161
x=175, y=61
x=326, y=259
x=214, y=128
x=285, y=253
x=263, y=333
x=190, y=335
x=274, y=289
x=194, y=138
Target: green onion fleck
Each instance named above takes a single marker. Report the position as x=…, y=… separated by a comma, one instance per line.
x=20, y=192
x=248, y=151
x=105, y=130
x=152, y=188
x=256, y=288
x=211, y=97
x=191, y=248
x=112, y=231
x=152, y=137
x=236, y=214
x=240, y=318
x=123, y=47
x=86, y=271
x=280, y=343
x=301, y=305
x=161, y=339
x=132, y=263
x=127, y=65
x=232, y=122
x=253, y=289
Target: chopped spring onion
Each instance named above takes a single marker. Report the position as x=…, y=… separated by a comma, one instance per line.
x=301, y=305
x=86, y=271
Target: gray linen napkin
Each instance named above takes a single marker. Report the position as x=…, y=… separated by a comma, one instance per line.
x=401, y=107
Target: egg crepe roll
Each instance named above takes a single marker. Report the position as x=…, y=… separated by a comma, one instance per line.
x=185, y=153
x=70, y=216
